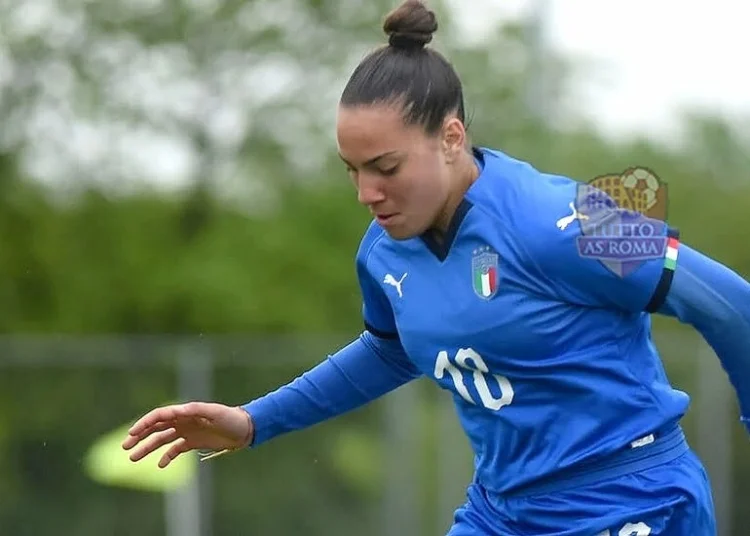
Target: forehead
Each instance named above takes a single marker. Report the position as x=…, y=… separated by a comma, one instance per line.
x=364, y=130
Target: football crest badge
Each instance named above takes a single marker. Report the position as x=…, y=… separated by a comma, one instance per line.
x=622, y=219
x=484, y=272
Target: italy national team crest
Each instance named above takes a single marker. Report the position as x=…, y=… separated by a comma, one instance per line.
x=484, y=272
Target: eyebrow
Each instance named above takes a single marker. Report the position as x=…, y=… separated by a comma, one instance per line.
x=371, y=161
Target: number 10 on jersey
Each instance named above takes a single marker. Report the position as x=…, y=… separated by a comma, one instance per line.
x=470, y=364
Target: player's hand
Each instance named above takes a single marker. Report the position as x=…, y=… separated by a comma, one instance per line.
x=190, y=426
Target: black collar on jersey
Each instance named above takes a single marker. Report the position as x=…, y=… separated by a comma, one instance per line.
x=441, y=247
x=438, y=247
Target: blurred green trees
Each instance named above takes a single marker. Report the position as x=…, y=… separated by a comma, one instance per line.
x=252, y=227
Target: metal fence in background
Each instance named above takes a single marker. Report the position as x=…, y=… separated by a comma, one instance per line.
x=424, y=467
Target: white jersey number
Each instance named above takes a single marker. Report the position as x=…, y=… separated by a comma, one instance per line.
x=631, y=529
x=467, y=360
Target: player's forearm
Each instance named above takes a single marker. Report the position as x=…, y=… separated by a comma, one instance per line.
x=362, y=371
x=716, y=301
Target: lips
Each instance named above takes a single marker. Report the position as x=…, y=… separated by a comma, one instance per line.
x=384, y=218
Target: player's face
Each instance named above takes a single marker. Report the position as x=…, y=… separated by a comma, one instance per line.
x=401, y=174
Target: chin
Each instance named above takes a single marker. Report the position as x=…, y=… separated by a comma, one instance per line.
x=400, y=232
x=397, y=234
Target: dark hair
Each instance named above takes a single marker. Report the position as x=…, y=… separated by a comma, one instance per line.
x=405, y=72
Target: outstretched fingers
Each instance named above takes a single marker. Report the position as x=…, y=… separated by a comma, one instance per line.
x=159, y=419
x=162, y=426
x=132, y=440
x=156, y=441
x=155, y=416
x=177, y=448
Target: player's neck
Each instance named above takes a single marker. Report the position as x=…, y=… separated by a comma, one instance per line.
x=465, y=177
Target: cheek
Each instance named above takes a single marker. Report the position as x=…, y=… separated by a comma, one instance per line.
x=422, y=187
x=428, y=190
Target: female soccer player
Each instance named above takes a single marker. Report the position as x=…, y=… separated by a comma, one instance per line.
x=527, y=296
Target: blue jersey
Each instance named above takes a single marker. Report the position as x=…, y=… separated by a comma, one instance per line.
x=533, y=313
x=546, y=352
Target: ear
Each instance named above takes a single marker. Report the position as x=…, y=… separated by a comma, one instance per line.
x=454, y=137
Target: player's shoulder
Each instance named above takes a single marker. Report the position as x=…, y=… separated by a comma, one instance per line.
x=373, y=235
x=521, y=195
x=377, y=250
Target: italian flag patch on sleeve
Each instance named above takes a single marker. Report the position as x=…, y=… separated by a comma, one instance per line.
x=670, y=258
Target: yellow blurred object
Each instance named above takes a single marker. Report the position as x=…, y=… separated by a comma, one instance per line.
x=107, y=463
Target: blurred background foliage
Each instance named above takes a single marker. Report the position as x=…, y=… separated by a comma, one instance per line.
x=169, y=169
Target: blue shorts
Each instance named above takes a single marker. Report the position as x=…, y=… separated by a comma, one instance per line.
x=666, y=498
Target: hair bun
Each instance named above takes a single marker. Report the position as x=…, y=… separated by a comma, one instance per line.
x=410, y=26
x=408, y=40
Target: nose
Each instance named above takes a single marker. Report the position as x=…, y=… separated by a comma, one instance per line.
x=369, y=191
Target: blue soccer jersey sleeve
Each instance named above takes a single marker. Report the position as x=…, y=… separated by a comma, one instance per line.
x=716, y=302
x=369, y=367
x=596, y=254
x=376, y=309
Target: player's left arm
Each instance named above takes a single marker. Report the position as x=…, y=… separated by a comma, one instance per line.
x=682, y=282
x=716, y=302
